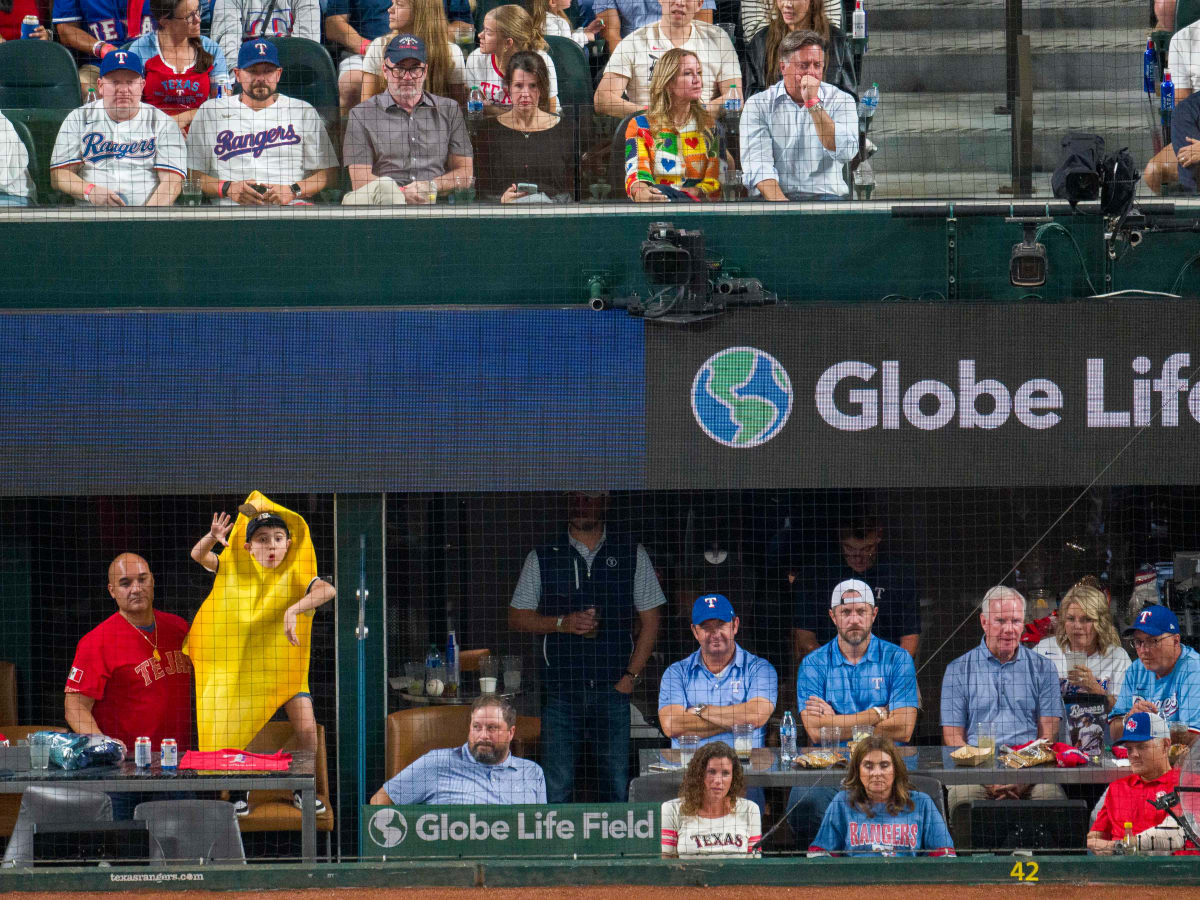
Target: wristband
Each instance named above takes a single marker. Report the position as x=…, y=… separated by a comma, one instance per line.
x=362, y=48
x=558, y=624
x=105, y=49
x=87, y=190
x=809, y=104
x=634, y=677
x=223, y=188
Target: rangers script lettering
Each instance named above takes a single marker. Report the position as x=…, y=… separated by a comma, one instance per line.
x=96, y=148
x=894, y=835
x=229, y=145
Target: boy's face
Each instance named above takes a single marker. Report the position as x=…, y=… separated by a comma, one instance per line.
x=269, y=546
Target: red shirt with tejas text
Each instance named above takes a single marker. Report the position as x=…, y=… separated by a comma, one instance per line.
x=135, y=693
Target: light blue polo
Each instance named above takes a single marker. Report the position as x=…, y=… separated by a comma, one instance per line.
x=455, y=777
x=689, y=683
x=1177, y=693
x=885, y=676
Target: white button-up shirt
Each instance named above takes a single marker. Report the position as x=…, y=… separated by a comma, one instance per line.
x=779, y=141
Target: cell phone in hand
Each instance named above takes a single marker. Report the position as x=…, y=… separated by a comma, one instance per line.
x=527, y=188
x=261, y=188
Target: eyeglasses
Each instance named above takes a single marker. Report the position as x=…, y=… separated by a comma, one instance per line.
x=190, y=17
x=407, y=71
x=1139, y=643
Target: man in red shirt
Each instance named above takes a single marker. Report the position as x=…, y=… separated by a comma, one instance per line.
x=1148, y=740
x=130, y=677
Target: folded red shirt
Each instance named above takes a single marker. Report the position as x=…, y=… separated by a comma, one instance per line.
x=236, y=760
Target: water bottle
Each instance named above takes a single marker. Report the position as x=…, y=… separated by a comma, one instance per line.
x=787, y=738
x=1166, y=106
x=474, y=108
x=452, y=664
x=435, y=672
x=733, y=101
x=1129, y=842
x=91, y=95
x=859, y=27
x=220, y=90
x=1149, y=68
x=867, y=104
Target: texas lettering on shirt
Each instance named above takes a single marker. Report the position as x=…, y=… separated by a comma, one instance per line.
x=728, y=839
x=110, y=30
x=229, y=145
x=96, y=148
x=173, y=662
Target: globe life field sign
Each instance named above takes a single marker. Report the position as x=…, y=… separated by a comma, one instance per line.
x=913, y=395
x=565, y=830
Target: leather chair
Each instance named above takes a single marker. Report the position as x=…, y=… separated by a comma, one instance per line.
x=411, y=733
x=10, y=804
x=8, y=671
x=273, y=810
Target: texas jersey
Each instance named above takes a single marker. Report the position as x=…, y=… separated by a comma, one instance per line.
x=277, y=145
x=174, y=92
x=482, y=72
x=107, y=20
x=126, y=157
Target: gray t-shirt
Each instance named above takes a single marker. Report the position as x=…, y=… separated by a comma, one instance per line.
x=405, y=146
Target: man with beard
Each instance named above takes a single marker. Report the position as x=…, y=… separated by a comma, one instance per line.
x=480, y=771
x=718, y=686
x=405, y=145
x=855, y=679
x=583, y=594
x=260, y=148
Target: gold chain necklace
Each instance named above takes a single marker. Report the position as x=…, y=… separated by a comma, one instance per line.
x=153, y=643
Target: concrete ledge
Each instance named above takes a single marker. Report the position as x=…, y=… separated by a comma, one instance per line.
x=775, y=871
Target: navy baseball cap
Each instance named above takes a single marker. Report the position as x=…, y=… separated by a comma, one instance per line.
x=1143, y=726
x=121, y=59
x=266, y=520
x=712, y=606
x=258, y=51
x=405, y=46
x=1154, y=620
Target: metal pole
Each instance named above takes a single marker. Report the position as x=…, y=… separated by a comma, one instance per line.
x=360, y=635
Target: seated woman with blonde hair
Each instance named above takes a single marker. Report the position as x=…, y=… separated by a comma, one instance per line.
x=711, y=818
x=446, y=75
x=672, y=151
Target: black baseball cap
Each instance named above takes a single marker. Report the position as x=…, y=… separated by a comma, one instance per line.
x=266, y=520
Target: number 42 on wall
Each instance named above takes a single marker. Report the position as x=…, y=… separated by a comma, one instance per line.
x=1024, y=871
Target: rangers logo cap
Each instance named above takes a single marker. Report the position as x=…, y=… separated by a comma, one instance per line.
x=1143, y=726
x=405, y=46
x=1154, y=620
x=258, y=51
x=122, y=59
x=712, y=606
x=865, y=594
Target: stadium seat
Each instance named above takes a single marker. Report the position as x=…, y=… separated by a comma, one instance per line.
x=40, y=126
x=53, y=805
x=574, y=76
x=309, y=75
x=468, y=660
x=616, y=158
x=1186, y=12
x=482, y=8
x=273, y=810
x=37, y=74
x=8, y=671
x=933, y=788
x=10, y=804
x=204, y=830
x=411, y=733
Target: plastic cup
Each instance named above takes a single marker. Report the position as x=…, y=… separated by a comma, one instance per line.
x=39, y=750
x=743, y=741
x=985, y=737
x=831, y=736
x=463, y=190
x=861, y=732
x=191, y=194
x=687, y=748
x=415, y=673
x=1074, y=659
x=487, y=684
x=512, y=673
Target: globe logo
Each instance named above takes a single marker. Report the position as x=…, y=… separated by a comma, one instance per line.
x=741, y=397
x=388, y=827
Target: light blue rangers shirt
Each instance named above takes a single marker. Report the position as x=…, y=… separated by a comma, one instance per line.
x=454, y=777
x=689, y=683
x=846, y=829
x=885, y=676
x=1177, y=694
x=1013, y=695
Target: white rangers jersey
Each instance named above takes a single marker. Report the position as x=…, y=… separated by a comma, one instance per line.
x=123, y=156
x=278, y=145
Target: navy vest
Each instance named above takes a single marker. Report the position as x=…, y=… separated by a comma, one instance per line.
x=573, y=662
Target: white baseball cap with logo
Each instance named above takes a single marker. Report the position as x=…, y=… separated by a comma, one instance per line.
x=849, y=586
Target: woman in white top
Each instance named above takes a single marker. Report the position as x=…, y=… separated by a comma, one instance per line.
x=551, y=17
x=1092, y=674
x=446, y=76
x=711, y=819
x=506, y=30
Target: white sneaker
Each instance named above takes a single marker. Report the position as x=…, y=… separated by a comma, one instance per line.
x=241, y=803
x=298, y=802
